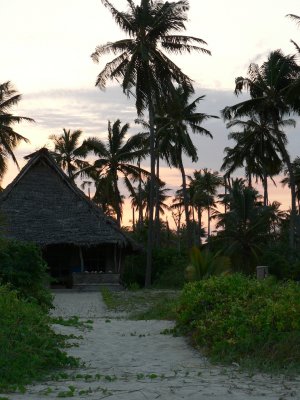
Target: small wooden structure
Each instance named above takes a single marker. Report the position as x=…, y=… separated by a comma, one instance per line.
x=262, y=271
x=42, y=205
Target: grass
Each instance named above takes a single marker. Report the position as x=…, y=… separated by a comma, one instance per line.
x=144, y=304
x=73, y=321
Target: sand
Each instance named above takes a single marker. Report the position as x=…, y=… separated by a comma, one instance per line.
x=133, y=360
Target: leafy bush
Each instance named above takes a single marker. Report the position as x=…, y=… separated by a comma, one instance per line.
x=29, y=347
x=284, y=263
x=240, y=319
x=23, y=268
x=167, y=269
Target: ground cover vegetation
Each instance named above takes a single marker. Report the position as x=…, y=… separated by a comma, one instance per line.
x=29, y=346
x=239, y=319
x=248, y=229
x=145, y=304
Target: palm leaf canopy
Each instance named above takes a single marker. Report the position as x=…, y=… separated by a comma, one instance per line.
x=140, y=59
x=174, y=121
x=274, y=88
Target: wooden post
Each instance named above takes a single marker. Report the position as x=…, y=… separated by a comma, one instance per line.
x=120, y=259
x=81, y=259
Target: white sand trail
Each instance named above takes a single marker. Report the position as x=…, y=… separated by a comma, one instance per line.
x=133, y=360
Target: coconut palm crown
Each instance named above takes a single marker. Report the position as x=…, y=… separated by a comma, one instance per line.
x=114, y=158
x=140, y=60
x=9, y=138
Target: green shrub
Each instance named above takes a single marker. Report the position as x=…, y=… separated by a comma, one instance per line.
x=284, y=263
x=235, y=318
x=23, y=268
x=29, y=347
x=167, y=268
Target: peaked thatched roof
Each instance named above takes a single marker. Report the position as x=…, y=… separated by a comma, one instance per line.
x=42, y=205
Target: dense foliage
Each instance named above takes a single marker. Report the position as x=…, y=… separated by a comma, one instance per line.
x=29, y=347
x=238, y=319
x=23, y=268
x=168, y=269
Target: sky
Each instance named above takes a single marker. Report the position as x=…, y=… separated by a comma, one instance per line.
x=45, y=52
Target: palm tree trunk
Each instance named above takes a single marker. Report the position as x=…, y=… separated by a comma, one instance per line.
x=194, y=228
x=133, y=219
x=287, y=160
x=225, y=194
x=157, y=224
x=140, y=196
x=117, y=205
x=186, y=204
x=249, y=179
x=199, y=224
x=208, y=223
x=265, y=185
x=151, y=200
x=293, y=201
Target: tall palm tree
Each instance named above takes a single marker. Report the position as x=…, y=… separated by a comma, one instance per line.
x=181, y=117
x=9, y=138
x=153, y=28
x=115, y=157
x=274, y=89
x=67, y=152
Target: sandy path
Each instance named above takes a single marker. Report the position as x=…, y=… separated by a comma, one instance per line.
x=132, y=360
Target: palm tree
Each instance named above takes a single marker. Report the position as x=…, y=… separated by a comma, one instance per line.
x=256, y=149
x=153, y=27
x=205, y=264
x=104, y=196
x=115, y=157
x=160, y=201
x=177, y=210
x=274, y=90
x=180, y=117
x=9, y=138
x=205, y=184
x=245, y=227
x=67, y=152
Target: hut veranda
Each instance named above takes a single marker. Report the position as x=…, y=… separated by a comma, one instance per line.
x=78, y=241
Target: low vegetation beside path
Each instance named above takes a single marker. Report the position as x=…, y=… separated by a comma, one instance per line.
x=29, y=346
x=229, y=318
x=239, y=319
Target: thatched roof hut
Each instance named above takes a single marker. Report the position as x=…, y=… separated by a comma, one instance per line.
x=42, y=205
